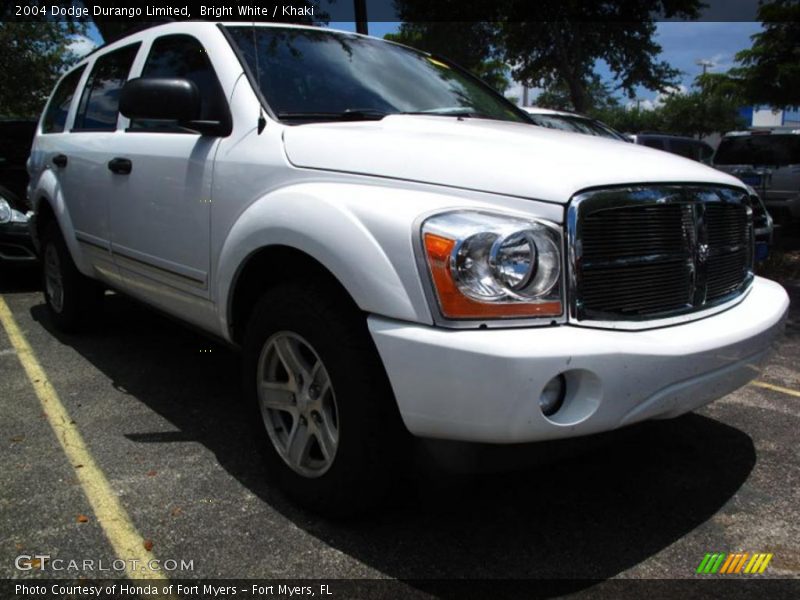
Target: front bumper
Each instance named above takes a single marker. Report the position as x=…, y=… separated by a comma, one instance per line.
x=16, y=245
x=484, y=385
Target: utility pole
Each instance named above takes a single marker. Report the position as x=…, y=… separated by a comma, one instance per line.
x=360, y=7
x=705, y=63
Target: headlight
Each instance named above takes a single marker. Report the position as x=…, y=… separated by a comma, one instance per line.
x=8, y=214
x=493, y=266
x=5, y=210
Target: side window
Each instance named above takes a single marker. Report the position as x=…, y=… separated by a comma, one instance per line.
x=100, y=100
x=55, y=118
x=183, y=56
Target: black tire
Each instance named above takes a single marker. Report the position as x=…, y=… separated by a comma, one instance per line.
x=372, y=441
x=82, y=297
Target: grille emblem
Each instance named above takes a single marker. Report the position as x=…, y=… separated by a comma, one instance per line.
x=699, y=254
x=702, y=253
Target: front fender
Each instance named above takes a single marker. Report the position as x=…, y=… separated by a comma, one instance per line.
x=362, y=234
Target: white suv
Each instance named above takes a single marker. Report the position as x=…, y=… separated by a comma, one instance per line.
x=392, y=245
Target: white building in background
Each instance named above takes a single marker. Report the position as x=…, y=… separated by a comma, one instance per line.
x=766, y=116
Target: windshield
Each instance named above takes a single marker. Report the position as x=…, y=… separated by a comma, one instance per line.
x=577, y=125
x=768, y=150
x=308, y=75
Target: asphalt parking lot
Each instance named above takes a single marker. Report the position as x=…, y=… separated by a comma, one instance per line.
x=156, y=408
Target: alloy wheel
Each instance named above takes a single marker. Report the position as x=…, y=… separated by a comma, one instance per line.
x=298, y=404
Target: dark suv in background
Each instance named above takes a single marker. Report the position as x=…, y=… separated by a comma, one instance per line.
x=769, y=161
x=682, y=146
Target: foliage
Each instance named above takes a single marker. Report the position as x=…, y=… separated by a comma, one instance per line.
x=564, y=41
x=770, y=71
x=34, y=55
x=711, y=106
x=600, y=96
x=629, y=120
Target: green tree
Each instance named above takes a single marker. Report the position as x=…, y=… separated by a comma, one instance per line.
x=569, y=37
x=473, y=50
x=558, y=97
x=555, y=97
x=770, y=70
x=564, y=41
x=712, y=106
x=629, y=120
x=34, y=55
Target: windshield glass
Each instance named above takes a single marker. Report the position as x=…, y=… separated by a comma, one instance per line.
x=577, y=125
x=769, y=150
x=317, y=75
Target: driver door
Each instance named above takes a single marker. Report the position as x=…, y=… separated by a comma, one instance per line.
x=160, y=206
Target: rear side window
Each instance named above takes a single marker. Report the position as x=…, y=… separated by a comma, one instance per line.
x=183, y=56
x=99, y=105
x=55, y=118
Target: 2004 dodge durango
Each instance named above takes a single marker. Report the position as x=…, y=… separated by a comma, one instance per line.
x=394, y=247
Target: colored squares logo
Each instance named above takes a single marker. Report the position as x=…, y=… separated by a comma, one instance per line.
x=740, y=562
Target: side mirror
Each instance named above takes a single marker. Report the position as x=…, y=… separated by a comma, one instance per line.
x=160, y=99
x=168, y=99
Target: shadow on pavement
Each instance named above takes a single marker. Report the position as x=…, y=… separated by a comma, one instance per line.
x=20, y=279
x=587, y=517
x=787, y=237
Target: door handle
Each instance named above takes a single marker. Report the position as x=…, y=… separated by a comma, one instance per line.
x=120, y=166
x=60, y=160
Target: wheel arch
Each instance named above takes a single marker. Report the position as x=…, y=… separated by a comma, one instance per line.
x=328, y=231
x=49, y=207
x=267, y=267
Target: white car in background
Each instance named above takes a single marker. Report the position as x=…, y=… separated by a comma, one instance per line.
x=393, y=247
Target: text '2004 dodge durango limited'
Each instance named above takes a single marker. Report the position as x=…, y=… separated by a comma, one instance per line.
x=394, y=247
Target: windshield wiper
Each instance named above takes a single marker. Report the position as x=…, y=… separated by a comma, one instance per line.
x=351, y=114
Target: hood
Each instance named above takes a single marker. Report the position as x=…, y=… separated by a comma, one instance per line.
x=499, y=157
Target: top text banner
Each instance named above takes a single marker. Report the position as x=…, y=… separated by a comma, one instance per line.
x=325, y=11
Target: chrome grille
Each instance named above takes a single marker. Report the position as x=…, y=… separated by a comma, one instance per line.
x=642, y=254
x=729, y=249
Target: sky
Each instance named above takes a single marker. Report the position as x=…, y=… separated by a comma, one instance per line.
x=683, y=44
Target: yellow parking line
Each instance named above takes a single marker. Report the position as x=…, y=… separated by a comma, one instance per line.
x=776, y=388
x=127, y=542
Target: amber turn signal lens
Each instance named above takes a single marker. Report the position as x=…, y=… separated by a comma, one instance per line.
x=456, y=305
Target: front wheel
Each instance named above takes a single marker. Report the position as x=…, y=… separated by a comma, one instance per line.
x=72, y=299
x=326, y=418
x=298, y=404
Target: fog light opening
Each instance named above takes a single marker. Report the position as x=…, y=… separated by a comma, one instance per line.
x=552, y=398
